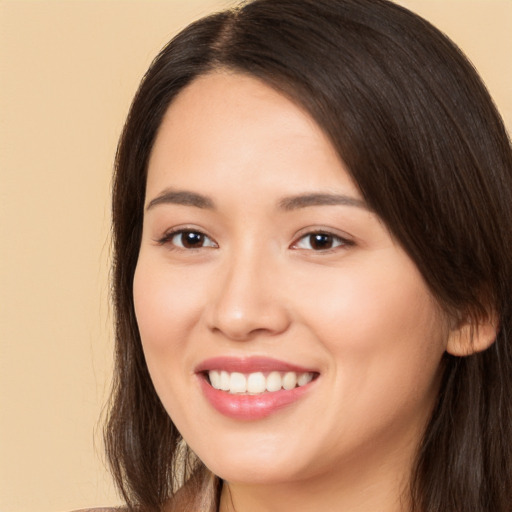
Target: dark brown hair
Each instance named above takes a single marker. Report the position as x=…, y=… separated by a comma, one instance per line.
x=424, y=142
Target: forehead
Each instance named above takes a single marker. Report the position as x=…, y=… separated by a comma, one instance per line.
x=234, y=127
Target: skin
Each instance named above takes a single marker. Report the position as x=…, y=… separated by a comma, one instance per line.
x=358, y=313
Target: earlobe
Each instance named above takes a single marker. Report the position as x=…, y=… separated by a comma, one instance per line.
x=471, y=337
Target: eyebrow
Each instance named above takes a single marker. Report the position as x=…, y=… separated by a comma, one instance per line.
x=182, y=197
x=320, y=199
x=187, y=198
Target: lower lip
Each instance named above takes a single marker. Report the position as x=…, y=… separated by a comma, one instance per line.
x=251, y=407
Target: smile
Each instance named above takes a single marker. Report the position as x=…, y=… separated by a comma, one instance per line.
x=257, y=382
x=253, y=388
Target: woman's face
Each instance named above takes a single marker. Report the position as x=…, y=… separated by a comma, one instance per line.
x=261, y=266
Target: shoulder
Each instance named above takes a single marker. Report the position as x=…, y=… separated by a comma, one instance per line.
x=107, y=509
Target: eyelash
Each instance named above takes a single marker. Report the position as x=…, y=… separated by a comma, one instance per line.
x=168, y=237
x=336, y=240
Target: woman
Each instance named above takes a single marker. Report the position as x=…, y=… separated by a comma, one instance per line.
x=312, y=273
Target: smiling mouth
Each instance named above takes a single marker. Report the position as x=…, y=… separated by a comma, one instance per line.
x=253, y=388
x=257, y=383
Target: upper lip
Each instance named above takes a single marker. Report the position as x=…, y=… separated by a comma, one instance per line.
x=249, y=365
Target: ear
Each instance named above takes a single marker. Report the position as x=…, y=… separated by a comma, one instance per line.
x=470, y=336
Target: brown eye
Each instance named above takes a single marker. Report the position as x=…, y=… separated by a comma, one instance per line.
x=188, y=239
x=191, y=239
x=320, y=242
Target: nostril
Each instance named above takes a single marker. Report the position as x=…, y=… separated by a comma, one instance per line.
x=249, y=323
x=243, y=302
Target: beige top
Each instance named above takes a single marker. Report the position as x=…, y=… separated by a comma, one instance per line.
x=110, y=509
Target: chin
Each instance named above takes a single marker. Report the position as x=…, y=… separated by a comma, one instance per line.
x=257, y=463
x=255, y=473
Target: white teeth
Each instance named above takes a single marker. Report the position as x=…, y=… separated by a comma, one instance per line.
x=256, y=383
x=274, y=381
x=214, y=379
x=224, y=381
x=289, y=380
x=237, y=383
x=304, y=378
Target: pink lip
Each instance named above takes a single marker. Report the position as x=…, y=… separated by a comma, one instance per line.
x=250, y=407
x=249, y=365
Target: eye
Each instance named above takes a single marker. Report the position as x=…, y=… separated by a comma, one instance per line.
x=187, y=239
x=320, y=241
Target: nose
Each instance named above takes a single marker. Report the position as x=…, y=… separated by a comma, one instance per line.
x=247, y=300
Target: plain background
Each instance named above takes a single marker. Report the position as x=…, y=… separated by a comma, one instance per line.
x=68, y=70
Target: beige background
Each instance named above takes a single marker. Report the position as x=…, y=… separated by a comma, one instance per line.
x=68, y=70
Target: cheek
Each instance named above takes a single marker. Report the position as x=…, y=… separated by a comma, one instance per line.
x=164, y=307
x=167, y=310
x=381, y=327
x=370, y=303
x=384, y=336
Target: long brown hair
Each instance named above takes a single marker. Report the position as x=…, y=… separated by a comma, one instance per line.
x=426, y=146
